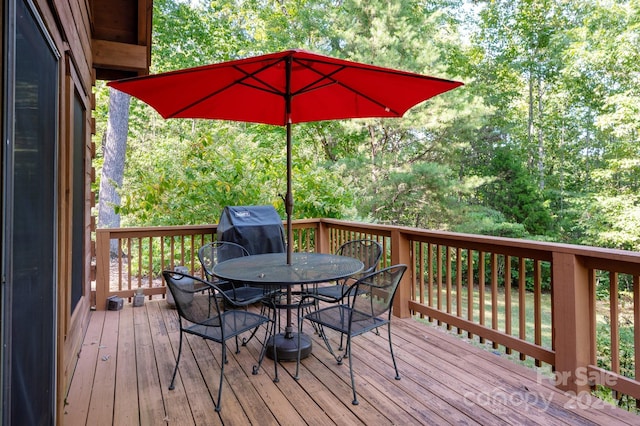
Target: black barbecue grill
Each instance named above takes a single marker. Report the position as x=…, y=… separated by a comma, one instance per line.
x=256, y=228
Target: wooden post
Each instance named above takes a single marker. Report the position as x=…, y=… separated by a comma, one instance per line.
x=401, y=253
x=103, y=238
x=322, y=238
x=572, y=322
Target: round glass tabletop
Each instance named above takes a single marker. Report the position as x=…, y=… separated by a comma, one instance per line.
x=272, y=268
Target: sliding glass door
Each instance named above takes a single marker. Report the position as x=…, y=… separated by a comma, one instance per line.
x=29, y=258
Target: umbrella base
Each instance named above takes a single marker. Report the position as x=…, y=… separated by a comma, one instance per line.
x=286, y=346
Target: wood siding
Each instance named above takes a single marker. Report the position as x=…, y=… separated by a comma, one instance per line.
x=121, y=38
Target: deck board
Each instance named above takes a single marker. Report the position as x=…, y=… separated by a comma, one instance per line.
x=125, y=411
x=102, y=395
x=79, y=394
x=444, y=380
x=150, y=399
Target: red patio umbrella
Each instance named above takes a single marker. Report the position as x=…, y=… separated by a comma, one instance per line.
x=293, y=86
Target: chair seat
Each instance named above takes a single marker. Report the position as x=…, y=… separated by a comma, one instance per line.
x=335, y=291
x=235, y=322
x=278, y=300
x=337, y=318
x=219, y=251
x=245, y=295
x=368, y=251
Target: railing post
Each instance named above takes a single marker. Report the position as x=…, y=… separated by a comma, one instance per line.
x=572, y=319
x=322, y=238
x=103, y=238
x=401, y=253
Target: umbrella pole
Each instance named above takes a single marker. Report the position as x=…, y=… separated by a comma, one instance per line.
x=287, y=344
x=288, y=199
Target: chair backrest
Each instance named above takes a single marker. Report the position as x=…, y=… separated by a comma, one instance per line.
x=192, y=298
x=368, y=252
x=374, y=293
x=218, y=251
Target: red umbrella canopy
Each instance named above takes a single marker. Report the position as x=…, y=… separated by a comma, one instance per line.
x=258, y=89
x=293, y=86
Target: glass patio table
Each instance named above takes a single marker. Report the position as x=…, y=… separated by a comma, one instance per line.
x=272, y=270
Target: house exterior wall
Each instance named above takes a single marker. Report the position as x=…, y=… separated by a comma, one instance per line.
x=71, y=24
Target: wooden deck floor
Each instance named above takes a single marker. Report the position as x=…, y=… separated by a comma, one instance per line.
x=125, y=366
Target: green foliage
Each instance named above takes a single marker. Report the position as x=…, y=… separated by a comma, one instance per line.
x=226, y=165
x=514, y=193
x=486, y=221
x=188, y=34
x=414, y=194
x=541, y=142
x=626, y=359
x=610, y=221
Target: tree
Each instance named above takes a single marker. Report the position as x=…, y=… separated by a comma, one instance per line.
x=114, y=152
x=403, y=167
x=515, y=194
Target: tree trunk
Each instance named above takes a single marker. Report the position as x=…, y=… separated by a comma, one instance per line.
x=530, y=122
x=114, y=151
x=541, y=150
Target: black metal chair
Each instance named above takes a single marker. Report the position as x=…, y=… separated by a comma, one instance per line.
x=365, y=306
x=368, y=252
x=218, y=251
x=200, y=315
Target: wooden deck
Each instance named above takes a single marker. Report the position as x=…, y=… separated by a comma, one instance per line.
x=127, y=358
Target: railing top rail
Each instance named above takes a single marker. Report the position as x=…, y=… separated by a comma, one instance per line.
x=502, y=244
x=182, y=229
x=511, y=246
x=152, y=231
x=374, y=228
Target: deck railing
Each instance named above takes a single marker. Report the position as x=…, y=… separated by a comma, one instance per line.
x=541, y=301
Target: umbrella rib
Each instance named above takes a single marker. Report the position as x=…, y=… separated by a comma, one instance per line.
x=241, y=80
x=267, y=87
x=334, y=81
x=322, y=77
x=374, y=68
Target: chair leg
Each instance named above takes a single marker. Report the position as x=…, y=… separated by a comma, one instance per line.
x=342, y=335
x=327, y=343
x=270, y=331
x=353, y=381
x=224, y=360
x=314, y=307
x=393, y=358
x=246, y=340
x=276, y=379
x=175, y=370
x=300, y=321
x=341, y=341
x=263, y=351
